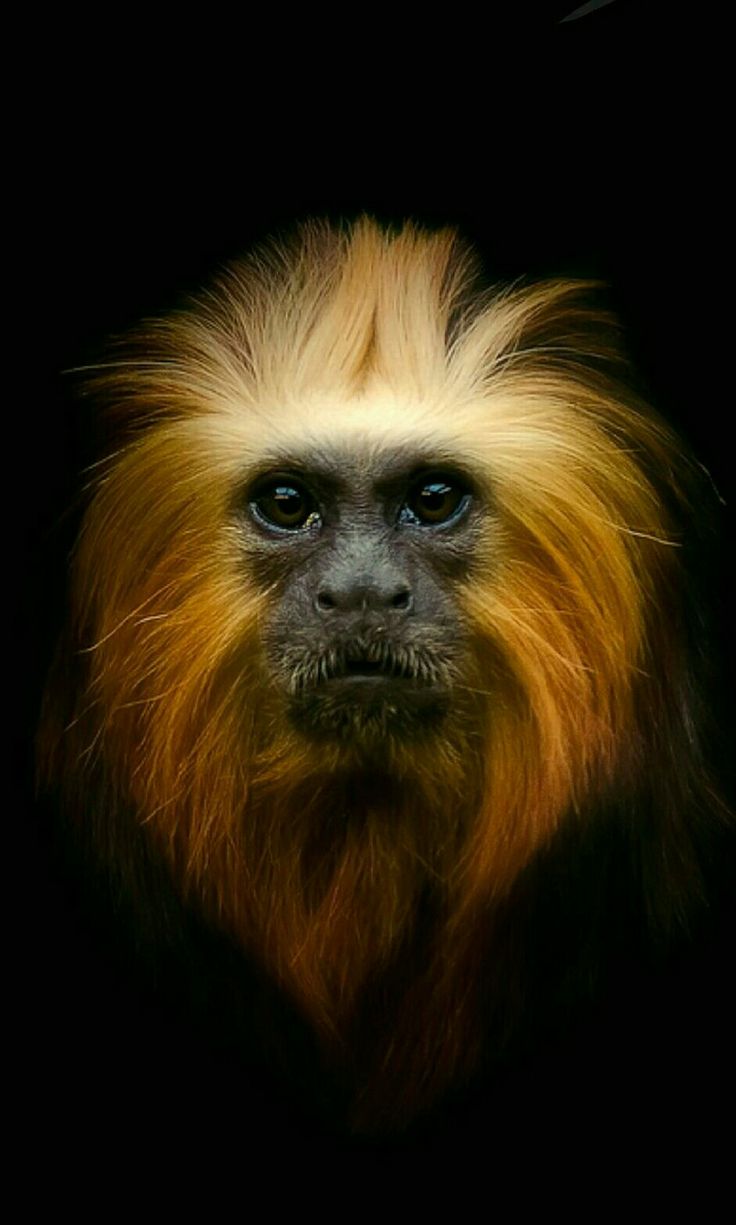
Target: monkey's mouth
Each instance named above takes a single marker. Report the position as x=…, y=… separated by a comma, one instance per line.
x=364, y=692
x=377, y=666
x=361, y=667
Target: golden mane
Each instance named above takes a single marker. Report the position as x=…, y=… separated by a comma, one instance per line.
x=575, y=684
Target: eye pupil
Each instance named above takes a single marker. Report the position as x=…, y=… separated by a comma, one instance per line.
x=435, y=497
x=287, y=501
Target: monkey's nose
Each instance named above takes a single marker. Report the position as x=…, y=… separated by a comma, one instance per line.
x=366, y=596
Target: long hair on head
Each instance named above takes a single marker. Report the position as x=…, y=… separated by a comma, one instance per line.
x=385, y=892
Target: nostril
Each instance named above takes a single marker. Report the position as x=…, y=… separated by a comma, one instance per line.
x=363, y=597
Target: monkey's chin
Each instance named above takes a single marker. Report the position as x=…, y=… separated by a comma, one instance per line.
x=369, y=710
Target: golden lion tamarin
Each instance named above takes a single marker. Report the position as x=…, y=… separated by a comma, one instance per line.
x=378, y=627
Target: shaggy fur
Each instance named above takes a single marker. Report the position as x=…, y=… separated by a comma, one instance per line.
x=387, y=889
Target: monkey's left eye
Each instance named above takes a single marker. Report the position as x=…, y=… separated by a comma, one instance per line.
x=285, y=504
x=434, y=500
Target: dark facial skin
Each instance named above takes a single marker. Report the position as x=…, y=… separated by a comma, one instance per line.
x=362, y=554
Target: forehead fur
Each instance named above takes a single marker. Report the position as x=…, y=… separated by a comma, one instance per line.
x=354, y=333
x=389, y=322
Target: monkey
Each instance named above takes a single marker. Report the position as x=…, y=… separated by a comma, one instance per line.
x=379, y=659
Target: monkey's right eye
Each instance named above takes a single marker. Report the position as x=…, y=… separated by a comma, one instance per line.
x=284, y=504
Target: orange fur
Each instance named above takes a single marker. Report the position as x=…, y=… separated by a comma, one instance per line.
x=352, y=335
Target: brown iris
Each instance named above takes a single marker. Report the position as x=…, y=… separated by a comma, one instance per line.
x=285, y=504
x=434, y=500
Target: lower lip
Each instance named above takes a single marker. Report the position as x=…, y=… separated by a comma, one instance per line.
x=375, y=678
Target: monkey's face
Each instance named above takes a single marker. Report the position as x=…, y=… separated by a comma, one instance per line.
x=360, y=517
x=361, y=554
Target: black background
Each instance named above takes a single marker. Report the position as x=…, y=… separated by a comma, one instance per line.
x=594, y=148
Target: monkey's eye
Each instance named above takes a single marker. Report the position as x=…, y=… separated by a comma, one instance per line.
x=434, y=499
x=284, y=504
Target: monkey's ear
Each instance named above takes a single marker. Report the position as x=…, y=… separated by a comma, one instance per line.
x=164, y=369
x=559, y=325
x=572, y=320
